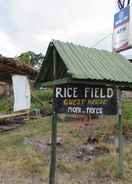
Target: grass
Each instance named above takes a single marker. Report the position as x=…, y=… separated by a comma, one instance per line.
x=103, y=169
x=30, y=129
x=21, y=160
x=22, y=163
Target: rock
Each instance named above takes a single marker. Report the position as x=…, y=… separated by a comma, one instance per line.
x=40, y=147
x=92, y=140
x=27, y=141
x=59, y=141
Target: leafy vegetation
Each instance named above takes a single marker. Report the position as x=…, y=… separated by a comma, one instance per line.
x=127, y=109
x=41, y=99
x=6, y=104
x=25, y=58
x=127, y=114
x=31, y=58
x=44, y=94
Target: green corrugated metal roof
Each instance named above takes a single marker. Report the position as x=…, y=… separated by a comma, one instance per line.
x=86, y=63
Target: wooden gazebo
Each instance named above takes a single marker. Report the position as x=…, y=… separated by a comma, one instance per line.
x=67, y=63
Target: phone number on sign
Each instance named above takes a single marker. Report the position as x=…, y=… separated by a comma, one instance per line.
x=88, y=110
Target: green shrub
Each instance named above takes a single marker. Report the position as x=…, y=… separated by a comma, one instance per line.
x=6, y=104
x=43, y=95
x=127, y=109
x=41, y=98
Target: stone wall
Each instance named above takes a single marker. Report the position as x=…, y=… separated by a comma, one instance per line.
x=4, y=89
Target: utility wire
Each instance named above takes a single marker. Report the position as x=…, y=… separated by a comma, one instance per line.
x=101, y=40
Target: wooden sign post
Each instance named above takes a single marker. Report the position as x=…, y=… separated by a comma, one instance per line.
x=120, y=134
x=54, y=130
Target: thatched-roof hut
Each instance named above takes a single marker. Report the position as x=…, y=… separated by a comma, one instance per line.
x=11, y=66
x=13, y=73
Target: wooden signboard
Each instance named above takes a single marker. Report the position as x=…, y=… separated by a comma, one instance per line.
x=85, y=99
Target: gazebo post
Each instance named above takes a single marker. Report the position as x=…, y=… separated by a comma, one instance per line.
x=120, y=134
x=54, y=129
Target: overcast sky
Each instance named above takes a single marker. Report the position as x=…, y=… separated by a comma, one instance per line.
x=32, y=24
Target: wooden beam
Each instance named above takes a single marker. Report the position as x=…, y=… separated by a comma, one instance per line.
x=121, y=85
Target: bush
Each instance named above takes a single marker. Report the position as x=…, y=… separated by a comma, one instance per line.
x=41, y=98
x=6, y=104
x=43, y=94
x=127, y=109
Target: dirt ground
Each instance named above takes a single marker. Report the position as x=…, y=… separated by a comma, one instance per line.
x=87, y=152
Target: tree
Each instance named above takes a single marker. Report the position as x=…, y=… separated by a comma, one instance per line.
x=25, y=58
x=32, y=59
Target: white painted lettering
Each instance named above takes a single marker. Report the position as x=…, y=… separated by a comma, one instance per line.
x=87, y=91
x=75, y=95
x=96, y=92
x=69, y=92
x=110, y=92
x=101, y=93
x=58, y=93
